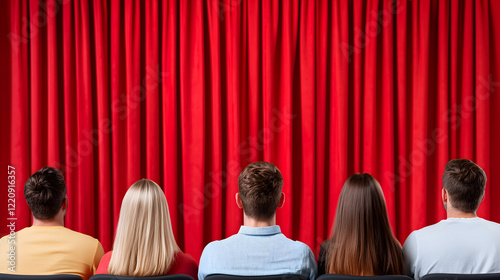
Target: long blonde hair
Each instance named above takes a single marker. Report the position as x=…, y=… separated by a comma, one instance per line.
x=144, y=243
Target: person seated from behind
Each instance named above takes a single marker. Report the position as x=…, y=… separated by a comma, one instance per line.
x=362, y=243
x=144, y=243
x=463, y=243
x=47, y=247
x=259, y=248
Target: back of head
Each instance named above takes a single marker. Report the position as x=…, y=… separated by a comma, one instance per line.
x=45, y=192
x=260, y=186
x=144, y=242
x=465, y=183
x=362, y=241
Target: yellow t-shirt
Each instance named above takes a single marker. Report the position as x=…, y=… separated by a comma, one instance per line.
x=42, y=250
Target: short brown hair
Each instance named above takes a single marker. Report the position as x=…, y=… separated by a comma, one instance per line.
x=45, y=191
x=260, y=186
x=465, y=182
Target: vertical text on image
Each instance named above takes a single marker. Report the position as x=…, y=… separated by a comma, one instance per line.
x=11, y=218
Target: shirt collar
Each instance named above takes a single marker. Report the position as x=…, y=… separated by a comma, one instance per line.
x=272, y=230
x=463, y=219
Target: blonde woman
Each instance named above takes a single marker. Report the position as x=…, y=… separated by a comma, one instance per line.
x=144, y=243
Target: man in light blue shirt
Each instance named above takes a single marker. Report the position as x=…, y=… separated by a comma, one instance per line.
x=259, y=248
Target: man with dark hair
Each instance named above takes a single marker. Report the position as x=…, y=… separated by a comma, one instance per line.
x=259, y=248
x=48, y=247
x=463, y=243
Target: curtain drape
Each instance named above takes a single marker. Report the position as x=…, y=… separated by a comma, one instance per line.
x=187, y=93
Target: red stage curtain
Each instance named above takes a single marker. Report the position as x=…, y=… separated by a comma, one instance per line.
x=186, y=93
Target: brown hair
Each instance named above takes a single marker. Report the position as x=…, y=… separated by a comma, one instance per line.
x=260, y=186
x=362, y=242
x=45, y=191
x=465, y=182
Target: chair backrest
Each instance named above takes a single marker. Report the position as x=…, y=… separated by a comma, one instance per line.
x=350, y=277
x=39, y=277
x=161, y=277
x=263, y=277
x=449, y=276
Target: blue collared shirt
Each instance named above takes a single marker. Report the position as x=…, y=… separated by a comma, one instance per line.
x=257, y=251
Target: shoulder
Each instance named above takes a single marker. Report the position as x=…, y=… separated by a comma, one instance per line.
x=215, y=247
x=490, y=223
x=306, y=259
x=295, y=243
x=421, y=237
x=301, y=256
x=85, y=240
x=298, y=247
x=325, y=245
x=290, y=244
x=303, y=247
x=79, y=236
x=107, y=256
x=182, y=257
x=17, y=233
x=428, y=230
x=104, y=263
x=211, y=251
x=83, y=243
x=184, y=264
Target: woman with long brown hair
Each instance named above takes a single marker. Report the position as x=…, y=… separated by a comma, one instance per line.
x=362, y=242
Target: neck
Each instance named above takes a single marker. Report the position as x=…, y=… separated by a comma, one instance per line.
x=48, y=223
x=251, y=222
x=454, y=213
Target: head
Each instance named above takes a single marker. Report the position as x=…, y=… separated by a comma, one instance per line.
x=260, y=185
x=362, y=241
x=45, y=193
x=144, y=242
x=464, y=183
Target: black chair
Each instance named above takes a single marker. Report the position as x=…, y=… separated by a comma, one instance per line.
x=350, y=277
x=161, y=277
x=39, y=277
x=265, y=277
x=450, y=276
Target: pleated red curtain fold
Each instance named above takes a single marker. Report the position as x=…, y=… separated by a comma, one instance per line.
x=186, y=93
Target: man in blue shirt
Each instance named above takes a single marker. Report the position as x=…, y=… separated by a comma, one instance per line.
x=259, y=248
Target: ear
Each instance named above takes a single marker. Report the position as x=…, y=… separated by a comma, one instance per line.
x=282, y=200
x=444, y=194
x=238, y=201
x=65, y=204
